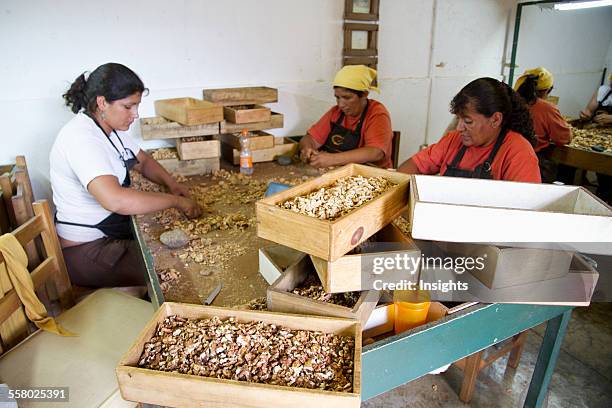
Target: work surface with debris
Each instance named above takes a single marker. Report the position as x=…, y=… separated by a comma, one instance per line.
x=223, y=244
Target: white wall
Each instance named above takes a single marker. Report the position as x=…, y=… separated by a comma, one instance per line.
x=572, y=45
x=428, y=50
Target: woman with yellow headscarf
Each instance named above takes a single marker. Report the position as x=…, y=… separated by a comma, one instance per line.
x=549, y=126
x=534, y=86
x=356, y=130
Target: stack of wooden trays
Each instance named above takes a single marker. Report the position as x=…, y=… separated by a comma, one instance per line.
x=326, y=246
x=193, y=123
x=243, y=109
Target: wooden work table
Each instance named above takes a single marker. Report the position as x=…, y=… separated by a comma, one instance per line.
x=385, y=362
x=583, y=159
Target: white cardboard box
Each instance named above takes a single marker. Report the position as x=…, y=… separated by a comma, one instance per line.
x=511, y=213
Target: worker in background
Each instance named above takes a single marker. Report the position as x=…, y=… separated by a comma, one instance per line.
x=493, y=138
x=599, y=108
x=548, y=124
x=356, y=130
x=90, y=163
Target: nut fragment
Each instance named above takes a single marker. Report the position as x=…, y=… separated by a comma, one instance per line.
x=253, y=352
x=585, y=138
x=340, y=198
x=311, y=288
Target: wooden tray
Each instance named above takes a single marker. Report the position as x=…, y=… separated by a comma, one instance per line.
x=172, y=389
x=189, y=111
x=324, y=239
x=161, y=128
x=280, y=298
x=246, y=113
x=274, y=259
x=231, y=155
x=191, y=167
x=202, y=149
x=347, y=273
x=241, y=96
x=258, y=141
x=275, y=122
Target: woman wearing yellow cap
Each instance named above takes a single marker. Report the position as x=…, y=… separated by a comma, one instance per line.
x=548, y=124
x=599, y=108
x=356, y=130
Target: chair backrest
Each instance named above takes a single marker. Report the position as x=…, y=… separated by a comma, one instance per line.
x=51, y=269
x=17, y=193
x=395, y=148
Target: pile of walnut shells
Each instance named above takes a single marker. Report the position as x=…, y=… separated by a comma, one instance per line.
x=340, y=198
x=253, y=352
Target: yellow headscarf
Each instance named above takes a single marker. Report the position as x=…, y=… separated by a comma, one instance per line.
x=544, y=82
x=356, y=77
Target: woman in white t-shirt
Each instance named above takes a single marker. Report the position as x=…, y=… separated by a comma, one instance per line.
x=90, y=162
x=599, y=108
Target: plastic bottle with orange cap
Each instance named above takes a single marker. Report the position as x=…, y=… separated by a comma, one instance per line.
x=246, y=156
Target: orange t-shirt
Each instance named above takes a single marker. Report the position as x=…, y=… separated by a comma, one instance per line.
x=549, y=125
x=515, y=159
x=375, y=130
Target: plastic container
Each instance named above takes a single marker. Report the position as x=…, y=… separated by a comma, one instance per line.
x=411, y=308
x=246, y=156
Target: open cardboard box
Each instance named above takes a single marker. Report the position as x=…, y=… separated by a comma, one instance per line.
x=492, y=211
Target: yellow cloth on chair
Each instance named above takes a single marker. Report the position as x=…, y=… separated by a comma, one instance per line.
x=16, y=264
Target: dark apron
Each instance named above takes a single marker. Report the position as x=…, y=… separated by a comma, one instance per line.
x=482, y=171
x=606, y=109
x=341, y=139
x=115, y=226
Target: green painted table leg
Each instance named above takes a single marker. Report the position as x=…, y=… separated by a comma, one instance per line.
x=547, y=359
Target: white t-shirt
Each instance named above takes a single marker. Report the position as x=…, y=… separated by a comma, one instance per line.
x=601, y=93
x=81, y=153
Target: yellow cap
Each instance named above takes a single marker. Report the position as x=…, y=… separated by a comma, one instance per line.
x=545, y=79
x=356, y=77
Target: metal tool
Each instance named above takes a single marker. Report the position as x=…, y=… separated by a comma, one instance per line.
x=212, y=295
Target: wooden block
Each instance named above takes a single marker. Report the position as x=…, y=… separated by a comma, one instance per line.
x=161, y=128
x=280, y=298
x=275, y=122
x=231, y=155
x=172, y=389
x=274, y=259
x=189, y=111
x=246, y=113
x=330, y=240
x=356, y=272
x=241, y=96
x=201, y=149
x=260, y=140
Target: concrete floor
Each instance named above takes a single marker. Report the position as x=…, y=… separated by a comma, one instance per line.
x=582, y=378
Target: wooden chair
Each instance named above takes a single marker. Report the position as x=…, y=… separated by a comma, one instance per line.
x=395, y=145
x=473, y=364
x=106, y=322
x=17, y=199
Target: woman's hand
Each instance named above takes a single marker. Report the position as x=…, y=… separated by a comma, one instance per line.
x=189, y=207
x=178, y=189
x=603, y=119
x=322, y=159
x=585, y=114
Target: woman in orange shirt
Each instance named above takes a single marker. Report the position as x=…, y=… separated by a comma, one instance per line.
x=549, y=126
x=356, y=130
x=493, y=139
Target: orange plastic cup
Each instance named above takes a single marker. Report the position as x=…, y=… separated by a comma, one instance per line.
x=409, y=315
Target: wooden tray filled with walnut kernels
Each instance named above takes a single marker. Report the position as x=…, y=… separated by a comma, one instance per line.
x=243, y=368
x=331, y=239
